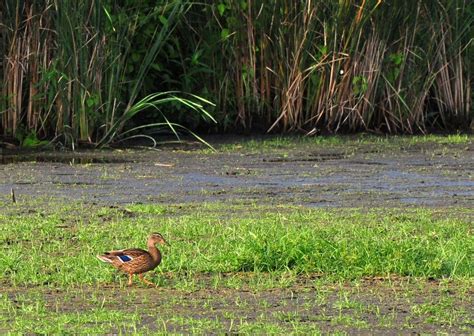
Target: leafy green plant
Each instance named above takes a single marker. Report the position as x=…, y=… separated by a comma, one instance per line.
x=359, y=85
x=395, y=63
x=31, y=141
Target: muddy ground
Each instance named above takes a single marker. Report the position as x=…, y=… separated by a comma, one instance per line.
x=370, y=307
x=356, y=175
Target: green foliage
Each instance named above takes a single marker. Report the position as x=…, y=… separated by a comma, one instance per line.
x=31, y=141
x=359, y=85
x=93, y=68
x=392, y=66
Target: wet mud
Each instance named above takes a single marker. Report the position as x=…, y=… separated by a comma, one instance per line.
x=372, y=307
x=311, y=175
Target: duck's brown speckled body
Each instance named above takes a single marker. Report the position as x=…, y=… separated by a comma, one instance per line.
x=135, y=260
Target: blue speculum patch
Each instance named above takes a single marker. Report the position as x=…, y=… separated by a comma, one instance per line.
x=125, y=258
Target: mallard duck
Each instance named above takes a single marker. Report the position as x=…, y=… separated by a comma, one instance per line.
x=135, y=260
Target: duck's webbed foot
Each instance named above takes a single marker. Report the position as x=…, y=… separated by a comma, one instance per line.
x=149, y=283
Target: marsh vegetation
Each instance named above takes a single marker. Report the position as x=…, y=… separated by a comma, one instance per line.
x=95, y=72
x=246, y=255
x=294, y=232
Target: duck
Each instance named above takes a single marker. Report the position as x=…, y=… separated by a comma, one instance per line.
x=135, y=260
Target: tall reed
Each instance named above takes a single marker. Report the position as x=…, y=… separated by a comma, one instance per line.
x=89, y=71
x=392, y=66
x=67, y=72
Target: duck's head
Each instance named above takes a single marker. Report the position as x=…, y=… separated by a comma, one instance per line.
x=157, y=238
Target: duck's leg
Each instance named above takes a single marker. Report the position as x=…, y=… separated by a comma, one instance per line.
x=145, y=280
x=130, y=277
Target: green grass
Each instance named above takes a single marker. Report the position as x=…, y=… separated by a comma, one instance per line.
x=57, y=247
x=53, y=284
x=343, y=141
x=33, y=314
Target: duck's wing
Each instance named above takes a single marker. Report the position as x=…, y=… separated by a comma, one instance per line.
x=123, y=256
x=134, y=252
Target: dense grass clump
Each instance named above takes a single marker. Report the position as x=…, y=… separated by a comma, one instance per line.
x=58, y=247
x=350, y=245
